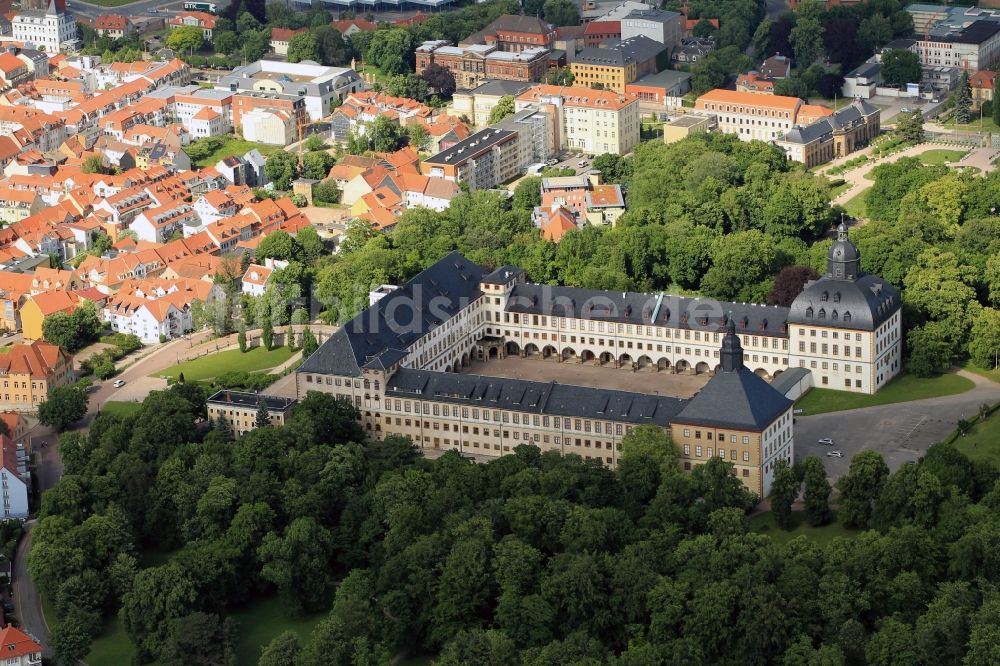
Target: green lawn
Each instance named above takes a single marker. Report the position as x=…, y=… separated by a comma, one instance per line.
x=213, y=365
x=120, y=408
x=901, y=389
x=262, y=621
x=855, y=206
x=983, y=441
x=112, y=647
x=839, y=189
x=235, y=146
x=938, y=156
x=990, y=373
x=987, y=126
x=764, y=523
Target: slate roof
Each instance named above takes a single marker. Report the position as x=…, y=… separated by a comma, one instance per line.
x=500, y=88
x=534, y=397
x=735, y=397
x=738, y=399
x=634, y=49
x=413, y=310
x=647, y=309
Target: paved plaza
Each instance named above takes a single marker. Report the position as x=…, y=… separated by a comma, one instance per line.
x=580, y=374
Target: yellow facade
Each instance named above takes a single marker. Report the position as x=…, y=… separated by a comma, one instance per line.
x=603, y=76
x=31, y=321
x=741, y=448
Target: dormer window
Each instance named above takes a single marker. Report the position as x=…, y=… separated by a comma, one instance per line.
x=847, y=316
x=825, y=296
x=836, y=297
x=822, y=313
x=834, y=315
x=809, y=312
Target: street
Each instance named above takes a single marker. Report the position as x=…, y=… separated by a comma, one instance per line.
x=48, y=470
x=90, y=12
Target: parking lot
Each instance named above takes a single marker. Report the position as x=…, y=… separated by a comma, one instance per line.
x=901, y=432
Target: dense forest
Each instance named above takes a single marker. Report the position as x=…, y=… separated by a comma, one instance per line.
x=531, y=559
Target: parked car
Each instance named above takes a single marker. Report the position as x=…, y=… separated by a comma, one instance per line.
x=827, y=441
x=582, y=163
x=551, y=161
x=834, y=454
x=119, y=383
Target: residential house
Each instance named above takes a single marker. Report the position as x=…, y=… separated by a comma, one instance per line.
x=29, y=372
x=15, y=481
x=982, y=84
x=114, y=26
x=776, y=67
x=280, y=37
x=19, y=429
x=239, y=409
x=197, y=19
x=21, y=650
x=39, y=306
x=755, y=82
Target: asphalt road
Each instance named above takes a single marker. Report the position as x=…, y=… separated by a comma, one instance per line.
x=139, y=8
x=48, y=470
x=27, y=603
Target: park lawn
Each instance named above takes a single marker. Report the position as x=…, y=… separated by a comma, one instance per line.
x=982, y=442
x=855, y=206
x=989, y=373
x=112, y=646
x=764, y=524
x=235, y=145
x=839, y=189
x=901, y=389
x=120, y=408
x=938, y=156
x=213, y=365
x=262, y=621
x=987, y=126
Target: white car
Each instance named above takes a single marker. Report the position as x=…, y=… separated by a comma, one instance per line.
x=551, y=162
x=834, y=454
x=827, y=441
x=582, y=163
x=119, y=383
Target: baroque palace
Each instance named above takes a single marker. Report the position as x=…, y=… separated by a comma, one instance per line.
x=396, y=362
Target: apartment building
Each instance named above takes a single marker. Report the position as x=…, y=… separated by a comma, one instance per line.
x=474, y=64
x=761, y=117
x=51, y=28
x=484, y=160
x=588, y=120
x=29, y=372
x=612, y=67
x=477, y=103
x=239, y=409
x=660, y=25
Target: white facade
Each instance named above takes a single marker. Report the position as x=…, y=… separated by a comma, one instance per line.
x=49, y=30
x=15, y=494
x=147, y=326
x=274, y=128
